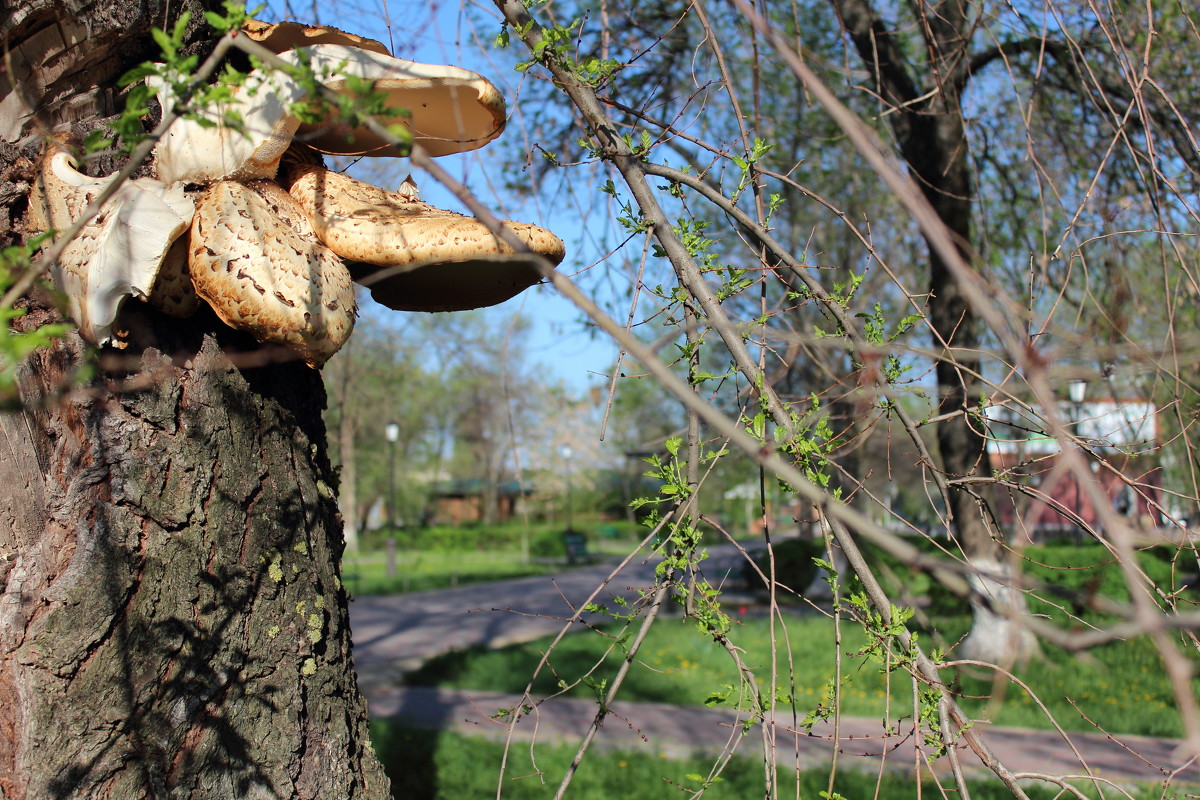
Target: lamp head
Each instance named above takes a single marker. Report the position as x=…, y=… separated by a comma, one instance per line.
x=1076, y=390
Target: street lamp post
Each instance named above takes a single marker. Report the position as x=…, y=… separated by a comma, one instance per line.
x=572, y=541
x=565, y=452
x=1077, y=390
x=393, y=435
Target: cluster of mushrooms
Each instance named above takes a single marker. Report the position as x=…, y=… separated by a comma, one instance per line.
x=250, y=222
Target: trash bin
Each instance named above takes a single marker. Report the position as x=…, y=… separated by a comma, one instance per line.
x=575, y=544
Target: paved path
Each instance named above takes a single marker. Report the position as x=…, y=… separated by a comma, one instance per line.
x=677, y=731
x=396, y=634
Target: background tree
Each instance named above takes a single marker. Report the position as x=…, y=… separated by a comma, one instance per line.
x=1055, y=121
x=975, y=103
x=382, y=376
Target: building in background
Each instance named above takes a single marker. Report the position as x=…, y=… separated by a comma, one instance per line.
x=463, y=500
x=1119, y=439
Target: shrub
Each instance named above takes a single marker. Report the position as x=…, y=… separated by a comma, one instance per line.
x=794, y=565
x=1078, y=574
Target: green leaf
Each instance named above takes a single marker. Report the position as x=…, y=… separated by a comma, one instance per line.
x=95, y=141
x=164, y=42
x=180, y=28
x=136, y=74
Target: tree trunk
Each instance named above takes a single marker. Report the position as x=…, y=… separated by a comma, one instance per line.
x=927, y=120
x=347, y=457
x=172, y=623
x=926, y=117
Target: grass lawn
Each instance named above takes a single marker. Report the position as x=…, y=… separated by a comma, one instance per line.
x=442, y=558
x=445, y=766
x=1121, y=687
x=431, y=569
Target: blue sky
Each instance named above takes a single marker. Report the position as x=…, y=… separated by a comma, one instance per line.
x=445, y=34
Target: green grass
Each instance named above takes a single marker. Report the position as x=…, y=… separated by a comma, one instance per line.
x=445, y=557
x=421, y=571
x=1121, y=686
x=446, y=766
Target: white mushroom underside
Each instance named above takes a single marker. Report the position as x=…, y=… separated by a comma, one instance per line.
x=120, y=250
x=192, y=152
x=261, y=275
x=145, y=219
x=449, y=109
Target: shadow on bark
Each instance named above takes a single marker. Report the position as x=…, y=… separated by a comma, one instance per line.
x=193, y=697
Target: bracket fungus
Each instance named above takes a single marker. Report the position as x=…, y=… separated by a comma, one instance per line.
x=279, y=37
x=447, y=110
x=413, y=256
x=273, y=251
x=254, y=259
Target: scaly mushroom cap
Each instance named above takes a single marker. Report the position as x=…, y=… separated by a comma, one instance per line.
x=119, y=252
x=60, y=192
x=173, y=292
x=415, y=257
x=263, y=276
x=283, y=36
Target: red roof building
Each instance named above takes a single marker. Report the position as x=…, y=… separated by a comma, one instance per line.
x=1039, y=499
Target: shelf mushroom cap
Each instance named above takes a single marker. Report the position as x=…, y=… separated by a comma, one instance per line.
x=254, y=259
x=173, y=292
x=279, y=37
x=448, y=110
x=413, y=256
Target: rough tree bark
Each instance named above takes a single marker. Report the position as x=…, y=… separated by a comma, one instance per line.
x=171, y=619
x=347, y=417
